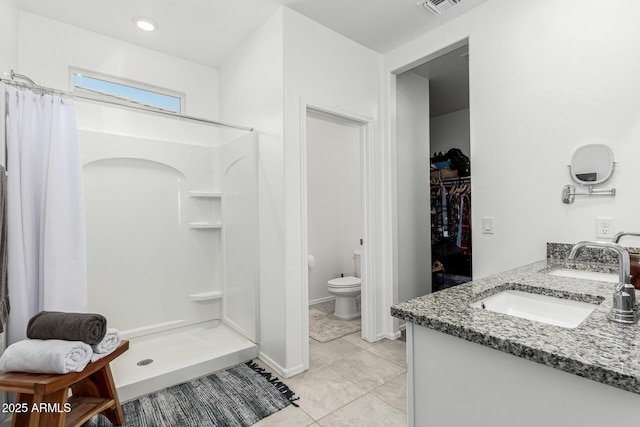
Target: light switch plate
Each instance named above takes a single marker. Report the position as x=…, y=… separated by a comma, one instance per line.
x=487, y=224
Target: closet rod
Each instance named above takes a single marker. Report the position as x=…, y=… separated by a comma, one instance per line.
x=32, y=85
x=447, y=181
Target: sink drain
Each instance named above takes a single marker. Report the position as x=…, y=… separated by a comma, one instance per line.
x=145, y=362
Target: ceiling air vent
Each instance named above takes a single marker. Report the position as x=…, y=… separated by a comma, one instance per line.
x=437, y=7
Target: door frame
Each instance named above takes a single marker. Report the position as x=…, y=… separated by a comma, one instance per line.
x=391, y=74
x=368, y=291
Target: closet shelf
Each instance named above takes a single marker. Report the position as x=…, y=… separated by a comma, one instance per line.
x=205, y=194
x=206, y=296
x=204, y=225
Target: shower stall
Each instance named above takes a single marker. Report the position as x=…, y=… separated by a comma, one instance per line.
x=172, y=229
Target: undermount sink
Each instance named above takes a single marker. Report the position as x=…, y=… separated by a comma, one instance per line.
x=541, y=308
x=584, y=274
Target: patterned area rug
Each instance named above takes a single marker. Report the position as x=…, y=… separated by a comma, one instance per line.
x=325, y=327
x=239, y=396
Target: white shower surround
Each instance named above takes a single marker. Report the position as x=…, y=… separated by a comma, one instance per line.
x=171, y=243
x=178, y=355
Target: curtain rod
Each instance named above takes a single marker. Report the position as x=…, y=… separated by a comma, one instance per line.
x=32, y=85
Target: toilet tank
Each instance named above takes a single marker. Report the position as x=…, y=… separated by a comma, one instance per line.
x=356, y=259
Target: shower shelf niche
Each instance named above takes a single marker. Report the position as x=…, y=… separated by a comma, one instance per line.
x=206, y=296
x=207, y=203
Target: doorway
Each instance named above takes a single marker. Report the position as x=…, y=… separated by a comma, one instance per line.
x=335, y=166
x=433, y=193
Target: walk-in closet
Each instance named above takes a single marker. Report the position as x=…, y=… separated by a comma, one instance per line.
x=433, y=151
x=450, y=232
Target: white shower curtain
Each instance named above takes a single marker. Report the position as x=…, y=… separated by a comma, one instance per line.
x=47, y=255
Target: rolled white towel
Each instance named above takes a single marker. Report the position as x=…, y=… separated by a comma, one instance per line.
x=46, y=356
x=108, y=344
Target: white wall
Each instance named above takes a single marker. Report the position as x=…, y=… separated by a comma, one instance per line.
x=290, y=58
x=9, y=35
x=450, y=131
x=545, y=78
x=321, y=67
x=8, y=49
x=413, y=187
x=334, y=208
x=9, y=32
x=48, y=48
x=251, y=91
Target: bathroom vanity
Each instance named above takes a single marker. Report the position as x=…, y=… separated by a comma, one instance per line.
x=470, y=365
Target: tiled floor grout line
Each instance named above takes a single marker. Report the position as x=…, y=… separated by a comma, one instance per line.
x=357, y=385
x=350, y=402
x=387, y=359
x=331, y=356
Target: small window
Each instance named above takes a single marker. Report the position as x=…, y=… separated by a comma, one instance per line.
x=93, y=83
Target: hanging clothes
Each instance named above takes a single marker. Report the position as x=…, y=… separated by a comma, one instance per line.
x=451, y=215
x=445, y=212
x=459, y=231
x=47, y=265
x=464, y=224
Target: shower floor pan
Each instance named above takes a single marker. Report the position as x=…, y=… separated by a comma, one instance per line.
x=160, y=360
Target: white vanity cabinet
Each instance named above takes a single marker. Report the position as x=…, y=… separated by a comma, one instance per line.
x=453, y=382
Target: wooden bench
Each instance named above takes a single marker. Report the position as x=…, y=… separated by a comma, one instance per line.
x=43, y=399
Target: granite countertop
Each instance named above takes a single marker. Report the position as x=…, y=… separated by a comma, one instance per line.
x=597, y=349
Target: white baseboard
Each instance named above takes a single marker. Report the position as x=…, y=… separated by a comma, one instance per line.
x=388, y=335
x=321, y=300
x=285, y=373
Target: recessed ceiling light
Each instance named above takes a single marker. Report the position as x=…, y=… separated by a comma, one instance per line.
x=145, y=24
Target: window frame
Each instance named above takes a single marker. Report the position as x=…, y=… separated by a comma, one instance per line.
x=123, y=82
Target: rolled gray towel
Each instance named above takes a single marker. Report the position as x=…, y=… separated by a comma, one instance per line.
x=86, y=327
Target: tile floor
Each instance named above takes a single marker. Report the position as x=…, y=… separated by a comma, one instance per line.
x=350, y=382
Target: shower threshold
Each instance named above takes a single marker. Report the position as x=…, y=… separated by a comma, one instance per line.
x=163, y=359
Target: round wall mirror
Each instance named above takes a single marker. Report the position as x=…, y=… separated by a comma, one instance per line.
x=592, y=164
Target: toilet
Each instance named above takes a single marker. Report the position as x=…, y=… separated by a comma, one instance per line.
x=346, y=290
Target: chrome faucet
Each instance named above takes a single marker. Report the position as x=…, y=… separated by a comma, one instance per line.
x=618, y=236
x=625, y=308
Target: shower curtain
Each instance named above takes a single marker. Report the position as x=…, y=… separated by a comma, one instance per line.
x=47, y=255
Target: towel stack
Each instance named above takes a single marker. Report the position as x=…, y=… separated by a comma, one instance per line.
x=60, y=343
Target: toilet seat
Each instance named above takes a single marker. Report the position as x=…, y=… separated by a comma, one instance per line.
x=345, y=282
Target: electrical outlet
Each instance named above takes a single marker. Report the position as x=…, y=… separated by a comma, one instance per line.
x=605, y=227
